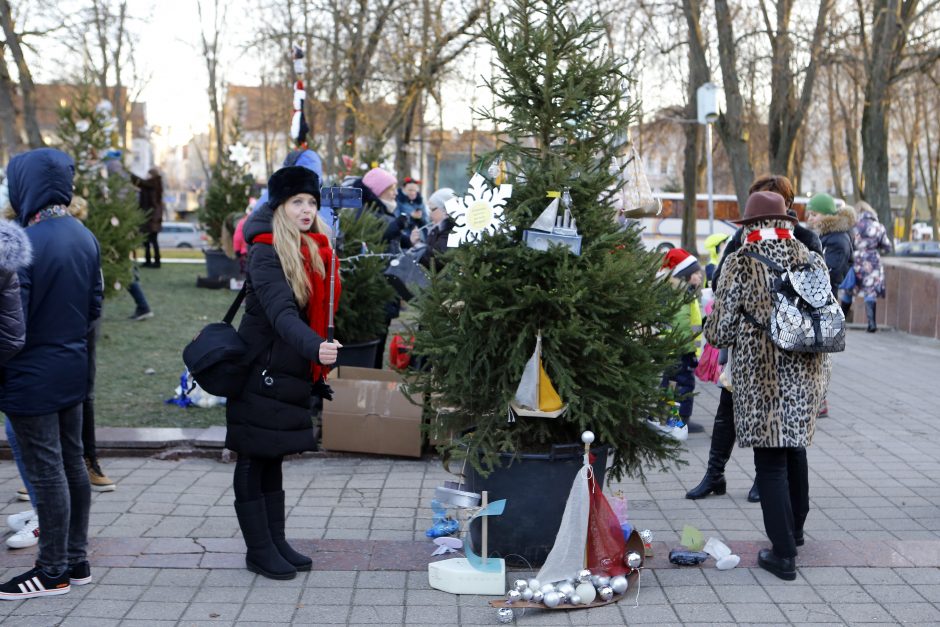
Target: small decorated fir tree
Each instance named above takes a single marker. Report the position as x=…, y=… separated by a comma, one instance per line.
x=603, y=315
x=113, y=212
x=228, y=191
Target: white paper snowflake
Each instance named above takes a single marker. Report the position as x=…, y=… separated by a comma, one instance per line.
x=240, y=154
x=480, y=211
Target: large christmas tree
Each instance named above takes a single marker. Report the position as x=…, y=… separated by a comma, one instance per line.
x=85, y=132
x=603, y=315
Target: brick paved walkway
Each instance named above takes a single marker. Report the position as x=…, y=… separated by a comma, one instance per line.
x=166, y=549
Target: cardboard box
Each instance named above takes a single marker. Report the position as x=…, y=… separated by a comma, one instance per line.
x=370, y=414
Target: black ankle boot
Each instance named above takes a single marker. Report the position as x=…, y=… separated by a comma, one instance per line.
x=870, y=313
x=710, y=484
x=753, y=495
x=262, y=556
x=782, y=567
x=274, y=507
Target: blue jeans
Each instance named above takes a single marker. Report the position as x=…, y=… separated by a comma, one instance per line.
x=18, y=458
x=51, y=448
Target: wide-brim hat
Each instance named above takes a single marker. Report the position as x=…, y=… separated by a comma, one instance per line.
x=764, y=206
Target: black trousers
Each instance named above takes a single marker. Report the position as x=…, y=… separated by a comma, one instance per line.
x=783, y=480
x=151, y=240
x=257, y=476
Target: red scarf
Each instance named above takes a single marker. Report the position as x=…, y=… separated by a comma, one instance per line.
x=318, y=306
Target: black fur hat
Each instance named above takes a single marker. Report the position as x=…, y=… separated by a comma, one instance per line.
x=290, y=181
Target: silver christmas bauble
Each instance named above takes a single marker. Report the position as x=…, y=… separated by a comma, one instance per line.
x=551, y=599
x=537, y=596
x=505, y=616
x=596, y=580
x=512, y=596
x=606, y=593
x=547, y=587
x=619, y=584
x=633, y=560
x=575, y=599
x=520, y=585
x=587, y=592
x=566, y=588
x=603, y=581
x=534, y=584
x=562, y=598
x=584, y=575
x=527, y=594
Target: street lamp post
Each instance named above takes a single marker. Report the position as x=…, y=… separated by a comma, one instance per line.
x=707, y=106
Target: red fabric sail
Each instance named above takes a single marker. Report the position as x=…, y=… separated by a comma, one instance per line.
x=605, y=544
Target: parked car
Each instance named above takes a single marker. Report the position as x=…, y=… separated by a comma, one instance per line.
x=918, y=249
x=181, y=235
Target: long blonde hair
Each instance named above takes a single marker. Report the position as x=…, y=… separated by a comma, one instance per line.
x=287, y=243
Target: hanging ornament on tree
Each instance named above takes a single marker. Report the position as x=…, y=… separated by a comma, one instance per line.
x=298, y=123
x=240, y=154
x=479, y=212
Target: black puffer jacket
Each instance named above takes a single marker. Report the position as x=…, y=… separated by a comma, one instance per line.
x=273, y=417
x=836, y=235
x=15, y=253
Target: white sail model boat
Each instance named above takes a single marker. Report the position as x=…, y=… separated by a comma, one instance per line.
x=536, y=396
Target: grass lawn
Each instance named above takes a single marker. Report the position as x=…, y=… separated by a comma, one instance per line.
x=125, y=395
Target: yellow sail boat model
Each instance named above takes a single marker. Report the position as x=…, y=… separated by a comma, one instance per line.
x=536, y=396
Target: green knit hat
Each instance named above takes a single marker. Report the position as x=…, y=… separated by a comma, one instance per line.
x=822, y=203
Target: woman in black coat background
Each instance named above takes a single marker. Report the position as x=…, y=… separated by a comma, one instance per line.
x=284, y=325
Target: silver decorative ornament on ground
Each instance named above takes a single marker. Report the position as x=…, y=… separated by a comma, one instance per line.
x=633, y=560
x=534, y=584
x=527, y=594
x=537, y=596
x=606, y=593
x=512, y=596
x=547, y=587
x=587, y=592
x=619, y=584
x=551, y=599
x=566, y=588
x=520, y=585
x=575, y=599
x=562, y=598
x=584, y=575
x=505, y=616
x=603, y=581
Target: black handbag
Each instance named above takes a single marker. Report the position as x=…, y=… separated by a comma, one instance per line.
x=218, y=358
x=406, y=274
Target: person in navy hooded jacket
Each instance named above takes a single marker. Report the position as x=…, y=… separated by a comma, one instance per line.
x=43, y=386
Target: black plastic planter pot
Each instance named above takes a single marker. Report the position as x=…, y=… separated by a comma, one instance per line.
x=536, y=488
x=359, y=355
x=220, y=265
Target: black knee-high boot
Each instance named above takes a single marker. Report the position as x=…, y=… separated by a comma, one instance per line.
x=262, y=556
x=274, y=508
x=719, y=452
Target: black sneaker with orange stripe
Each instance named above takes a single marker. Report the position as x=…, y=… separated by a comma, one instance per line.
x=34, y=583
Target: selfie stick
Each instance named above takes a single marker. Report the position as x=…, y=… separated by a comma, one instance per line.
x=330, y=328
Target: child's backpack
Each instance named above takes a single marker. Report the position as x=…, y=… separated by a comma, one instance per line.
x=805, y=317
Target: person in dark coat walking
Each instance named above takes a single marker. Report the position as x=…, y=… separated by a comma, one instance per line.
x=723, y=431
x=284, y=326
x=15, y=253
x=835, y=228
x=151, y=203
x=45, y=383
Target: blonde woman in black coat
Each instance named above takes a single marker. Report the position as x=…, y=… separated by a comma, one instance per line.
x=284, y=324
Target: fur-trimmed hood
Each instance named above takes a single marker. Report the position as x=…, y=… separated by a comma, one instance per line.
x=843, y=220
x=15, y=249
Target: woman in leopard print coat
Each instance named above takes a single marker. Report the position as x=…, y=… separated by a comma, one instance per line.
x=777, y=394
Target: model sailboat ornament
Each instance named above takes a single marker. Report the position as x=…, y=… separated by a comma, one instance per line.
x=550, y=229
x=536, y=396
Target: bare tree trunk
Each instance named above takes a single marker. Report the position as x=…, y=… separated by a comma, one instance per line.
x=730, y=125
x=834, y=160
x=12, y=140
x=210, y=51
x=27, y=89
x=699, y=74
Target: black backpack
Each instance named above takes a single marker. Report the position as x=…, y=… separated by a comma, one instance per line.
x=218, y=358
